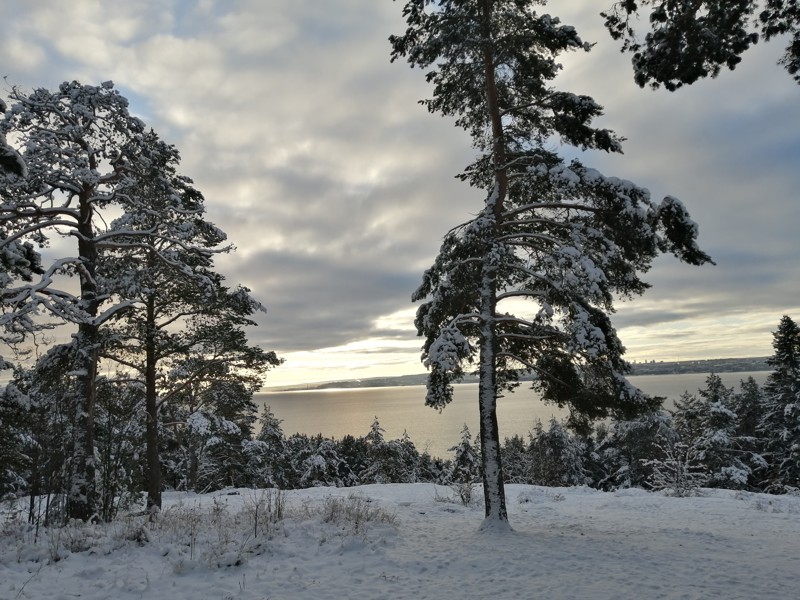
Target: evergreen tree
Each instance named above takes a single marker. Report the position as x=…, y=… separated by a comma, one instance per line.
x=213, y=417
x=268, y=463
x=298, y=448
x=10, y=159
x=90, y=168
x=36, y=413
x=516, y=460
x=433, y=469
x=355, y=452
x=678, y=469
x=557, y=458
x=708, y=428
x=466, y=466
x=386, y=459
x=626, y=448
x=688, y=41
x=560, y=239
x=18, y=444
x=748, y=404
x=780, y=425
x=410, y=457
x=324, y=467
x=162, y=260
x=120, y=441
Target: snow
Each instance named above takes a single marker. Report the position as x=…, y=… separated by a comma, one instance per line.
x=565, y=543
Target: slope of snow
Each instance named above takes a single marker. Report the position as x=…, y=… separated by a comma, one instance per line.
x=567, y=543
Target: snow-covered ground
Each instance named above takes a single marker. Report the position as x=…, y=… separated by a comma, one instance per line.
x=407, y=541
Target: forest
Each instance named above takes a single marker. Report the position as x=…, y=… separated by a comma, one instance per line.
x=717, y=437
x=106, y=244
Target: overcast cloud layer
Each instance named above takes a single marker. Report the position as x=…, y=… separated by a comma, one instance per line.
x=336, y=186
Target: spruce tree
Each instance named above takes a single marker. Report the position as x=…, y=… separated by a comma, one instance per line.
x=709, y=429
x=557, y=458
x=627, y=448
x=556, y=240
x=780, y=424
x=268, y=462
x=386, y=459
x=466, y=466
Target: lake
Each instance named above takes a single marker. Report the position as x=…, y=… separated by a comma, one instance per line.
x=338, y=412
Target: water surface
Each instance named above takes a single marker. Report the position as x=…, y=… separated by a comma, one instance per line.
x=338, y=412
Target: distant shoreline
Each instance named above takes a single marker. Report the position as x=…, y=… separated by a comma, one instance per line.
x=711, y=365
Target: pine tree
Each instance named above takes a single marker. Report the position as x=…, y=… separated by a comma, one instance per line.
x=10, y=160
x=163, y=261
x=93, y=170
x=559, y=239
x=688, y=41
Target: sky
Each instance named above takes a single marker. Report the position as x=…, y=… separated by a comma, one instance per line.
x=336, y=186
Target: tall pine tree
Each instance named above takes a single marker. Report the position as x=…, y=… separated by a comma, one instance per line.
x=555, y=242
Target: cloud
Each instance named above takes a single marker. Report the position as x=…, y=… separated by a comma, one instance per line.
x=336, y=186
x=318, y=300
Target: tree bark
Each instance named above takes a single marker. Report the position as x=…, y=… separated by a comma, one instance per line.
x=493, y=487
x=151, y=408
x=82, y=494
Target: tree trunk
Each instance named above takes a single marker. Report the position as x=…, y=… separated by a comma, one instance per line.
x=82, y=495
x=493, y=487
x=151, y=408
x=193, y=468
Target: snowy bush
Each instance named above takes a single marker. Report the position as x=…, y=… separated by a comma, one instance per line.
x=679, y=470
x=354, y=514
x=265, y=509
x=464, y=492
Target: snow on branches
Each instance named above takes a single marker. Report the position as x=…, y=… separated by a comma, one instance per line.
x=569, y=240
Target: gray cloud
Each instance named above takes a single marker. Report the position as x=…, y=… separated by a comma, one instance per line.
x=336, y=186
x=318, y=301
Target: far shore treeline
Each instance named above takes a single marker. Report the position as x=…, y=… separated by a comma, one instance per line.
x=710, y=365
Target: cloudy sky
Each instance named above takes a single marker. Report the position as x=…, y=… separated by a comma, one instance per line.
x=336, y=186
